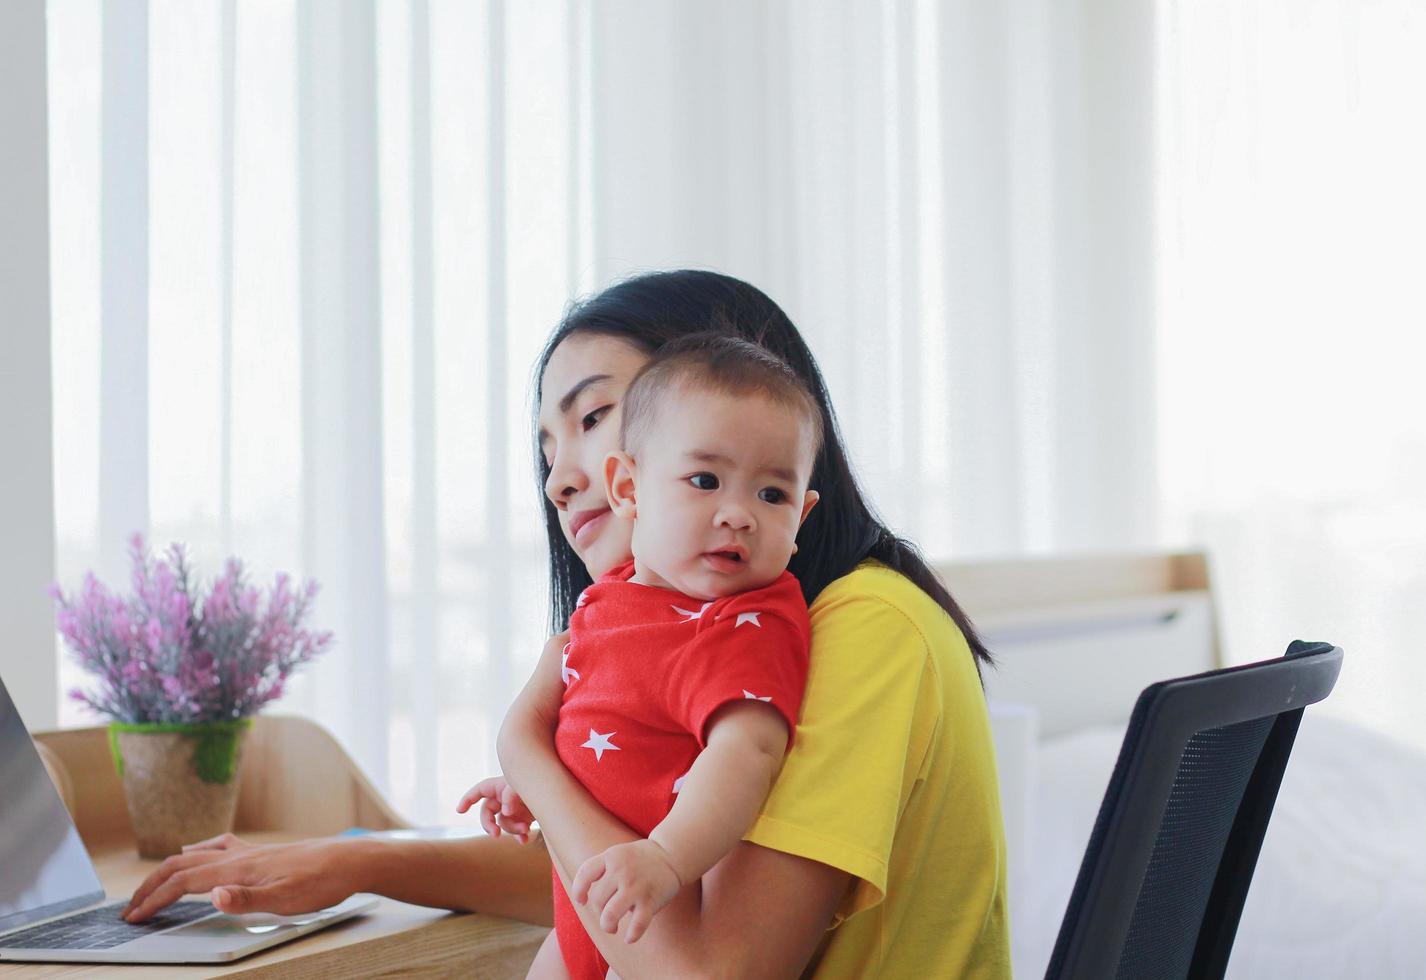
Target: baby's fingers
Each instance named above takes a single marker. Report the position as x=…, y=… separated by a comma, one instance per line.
x=481, y=790
x=470, y=797
x=488, y=808
x=639, y=921
x=513, y=807
x=589, y=872
x=519, y=829
x=614, y=910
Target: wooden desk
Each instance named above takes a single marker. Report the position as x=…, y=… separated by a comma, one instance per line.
x=393, y=939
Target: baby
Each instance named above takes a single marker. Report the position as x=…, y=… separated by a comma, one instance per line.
x=684, y=668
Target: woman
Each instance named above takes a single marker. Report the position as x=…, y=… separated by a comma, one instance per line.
x=885, y=820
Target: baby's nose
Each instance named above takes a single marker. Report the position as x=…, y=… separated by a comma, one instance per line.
x=734, y=516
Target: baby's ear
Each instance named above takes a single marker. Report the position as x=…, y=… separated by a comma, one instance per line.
x=809, y=500
x=620, y=474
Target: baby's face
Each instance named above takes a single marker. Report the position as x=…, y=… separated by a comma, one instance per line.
x=721, y=489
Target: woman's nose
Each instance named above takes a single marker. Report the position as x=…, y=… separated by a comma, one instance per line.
x=565, y=480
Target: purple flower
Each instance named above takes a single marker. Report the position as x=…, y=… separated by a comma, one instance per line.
x=168, y=652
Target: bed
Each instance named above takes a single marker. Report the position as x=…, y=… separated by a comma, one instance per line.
x=1340, y=887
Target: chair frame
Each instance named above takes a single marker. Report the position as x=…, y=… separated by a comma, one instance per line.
x=1166, y=716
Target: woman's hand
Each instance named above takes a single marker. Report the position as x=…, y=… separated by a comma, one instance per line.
x=501, y=808
x=286, y=879
x=223, y=842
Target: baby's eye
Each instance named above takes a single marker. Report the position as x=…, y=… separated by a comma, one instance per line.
x=593, y=418
x=704, y=481
x=771, y=495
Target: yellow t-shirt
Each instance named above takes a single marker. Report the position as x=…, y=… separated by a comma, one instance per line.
x=892, y=778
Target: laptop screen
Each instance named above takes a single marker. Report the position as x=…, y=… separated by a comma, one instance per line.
x=44, y=868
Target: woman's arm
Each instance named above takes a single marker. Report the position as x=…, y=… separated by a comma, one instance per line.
x=501, y=877
x=759, y=912
x=481, y=874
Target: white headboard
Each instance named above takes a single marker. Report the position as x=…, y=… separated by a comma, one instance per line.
x=1077, y=639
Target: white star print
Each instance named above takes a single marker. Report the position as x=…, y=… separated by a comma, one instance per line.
x=678, y=783
x=748, y=618
x=583, y=597
x=690, y=613
x=599, y=743
x=750, y=696
x=567, y=673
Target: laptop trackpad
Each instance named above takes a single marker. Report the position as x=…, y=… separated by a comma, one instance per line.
x=245, y=925
x=223, y=937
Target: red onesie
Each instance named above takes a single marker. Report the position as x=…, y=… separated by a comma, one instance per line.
x=644, y=670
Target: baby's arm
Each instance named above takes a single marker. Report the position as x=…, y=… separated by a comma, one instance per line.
x=535, y=711
x=725, y=789
x=716, y=805
x=539, y=701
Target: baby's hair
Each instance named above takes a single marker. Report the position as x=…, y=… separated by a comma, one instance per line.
x=713, y=362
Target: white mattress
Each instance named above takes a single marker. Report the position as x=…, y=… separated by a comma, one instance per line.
x=1340, y=886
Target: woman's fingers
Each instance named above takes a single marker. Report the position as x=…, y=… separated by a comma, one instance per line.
x=190, y=881
x=166, y=870
x=286, y=879
x=237, y=899
x=223, y=842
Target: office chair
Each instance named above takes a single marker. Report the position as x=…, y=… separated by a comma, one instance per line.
x=1171, y=856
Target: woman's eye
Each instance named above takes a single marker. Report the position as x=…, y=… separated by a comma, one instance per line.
x=704, y=481
x=772, y=495
x=593, y=418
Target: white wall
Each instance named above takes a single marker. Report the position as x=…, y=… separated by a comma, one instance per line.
x=27, y=654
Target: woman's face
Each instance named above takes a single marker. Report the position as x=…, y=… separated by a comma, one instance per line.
x=581, y=390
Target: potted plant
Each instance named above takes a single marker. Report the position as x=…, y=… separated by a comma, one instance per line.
x=180, y=672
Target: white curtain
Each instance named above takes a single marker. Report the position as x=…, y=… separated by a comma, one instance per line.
x=305, y=255
x=1292, y=314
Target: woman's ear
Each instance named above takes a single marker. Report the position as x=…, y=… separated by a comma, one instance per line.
x=620, y=473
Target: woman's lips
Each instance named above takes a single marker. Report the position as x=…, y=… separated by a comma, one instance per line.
x=586, y=523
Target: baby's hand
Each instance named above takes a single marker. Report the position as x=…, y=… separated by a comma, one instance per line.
x=636, y=879
x=500, y=808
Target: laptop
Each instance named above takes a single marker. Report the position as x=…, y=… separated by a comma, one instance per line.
x=53, y=907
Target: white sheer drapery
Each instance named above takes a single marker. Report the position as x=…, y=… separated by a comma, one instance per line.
x=331, y=238
x=1291, y=314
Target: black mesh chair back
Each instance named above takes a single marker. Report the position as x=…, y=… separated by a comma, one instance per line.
x=1172, y=853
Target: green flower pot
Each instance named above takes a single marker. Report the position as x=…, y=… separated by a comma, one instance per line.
x=180, y=781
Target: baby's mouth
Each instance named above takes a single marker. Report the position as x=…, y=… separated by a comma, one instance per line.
x=726, y=560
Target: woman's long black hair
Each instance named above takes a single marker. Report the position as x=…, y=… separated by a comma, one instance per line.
x=648, y=311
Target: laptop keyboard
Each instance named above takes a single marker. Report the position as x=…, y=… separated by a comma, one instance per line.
x=102, y=928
